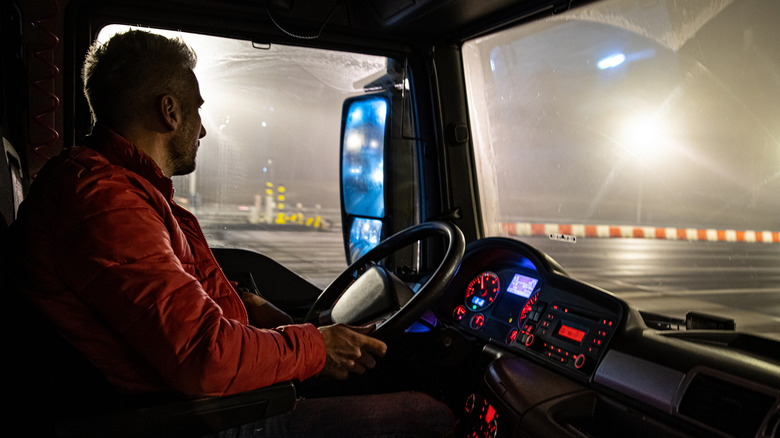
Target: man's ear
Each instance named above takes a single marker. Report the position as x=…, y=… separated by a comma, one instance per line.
x=169, y=110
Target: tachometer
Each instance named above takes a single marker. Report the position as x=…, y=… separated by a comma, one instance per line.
x=529, y=305
x=482, y=291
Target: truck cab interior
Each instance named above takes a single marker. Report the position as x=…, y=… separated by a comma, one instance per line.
x=562, y=214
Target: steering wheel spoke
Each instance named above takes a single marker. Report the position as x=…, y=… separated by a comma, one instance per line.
x=378, y=295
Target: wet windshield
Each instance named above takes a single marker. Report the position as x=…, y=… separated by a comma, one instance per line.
x=267, y=176
x=638, y=143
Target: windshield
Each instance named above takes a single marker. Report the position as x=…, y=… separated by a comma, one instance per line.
x=638, y=143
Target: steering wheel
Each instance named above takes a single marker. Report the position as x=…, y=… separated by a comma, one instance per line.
x=379, y=296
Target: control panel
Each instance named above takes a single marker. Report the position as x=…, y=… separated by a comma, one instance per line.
x=571, y=337
x=513, y=303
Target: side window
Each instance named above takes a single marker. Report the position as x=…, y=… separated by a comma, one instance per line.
x=267, y=176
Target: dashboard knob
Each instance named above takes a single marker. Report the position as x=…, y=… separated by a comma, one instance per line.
x=579, y=361
x=529, y=340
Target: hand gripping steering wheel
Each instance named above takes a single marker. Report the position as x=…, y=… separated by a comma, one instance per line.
x=379, y=296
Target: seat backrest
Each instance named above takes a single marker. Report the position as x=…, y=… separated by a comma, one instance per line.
x=54, y=390
x=11, y=180
x=48, y=379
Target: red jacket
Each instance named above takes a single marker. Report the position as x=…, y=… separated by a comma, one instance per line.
x=128, y=278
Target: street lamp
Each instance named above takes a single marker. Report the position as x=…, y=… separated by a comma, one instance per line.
x=647, y=139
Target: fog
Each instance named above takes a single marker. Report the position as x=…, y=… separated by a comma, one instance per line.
x=662, y=117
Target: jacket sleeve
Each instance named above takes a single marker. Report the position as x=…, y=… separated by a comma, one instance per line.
x=119, y=259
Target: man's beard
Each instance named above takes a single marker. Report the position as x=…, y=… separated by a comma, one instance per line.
x=182, y=153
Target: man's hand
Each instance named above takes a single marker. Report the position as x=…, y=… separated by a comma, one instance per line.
x=263, y=314
x=349, y=349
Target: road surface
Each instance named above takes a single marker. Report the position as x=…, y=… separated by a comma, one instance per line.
x=735, y=280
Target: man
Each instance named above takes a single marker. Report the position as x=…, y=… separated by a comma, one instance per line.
x=126, y=275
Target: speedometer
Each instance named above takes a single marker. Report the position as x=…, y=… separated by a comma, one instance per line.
x=482, y=291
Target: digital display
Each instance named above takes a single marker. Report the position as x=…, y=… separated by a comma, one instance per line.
x=478, y=301
x=571, y=333
x=522, y=285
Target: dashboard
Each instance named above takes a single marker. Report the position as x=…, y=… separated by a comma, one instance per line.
x=564, y=358
x=509, y=294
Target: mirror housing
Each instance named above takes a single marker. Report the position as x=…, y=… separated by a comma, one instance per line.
x=365, y=128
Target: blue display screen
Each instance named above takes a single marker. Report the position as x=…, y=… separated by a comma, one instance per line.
x=522, y=285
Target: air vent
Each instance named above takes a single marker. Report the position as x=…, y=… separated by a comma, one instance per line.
x=725, y=406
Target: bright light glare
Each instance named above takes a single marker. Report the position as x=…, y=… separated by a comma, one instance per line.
x=611, y=61
x=355, y=141
x=381, y=112
x=647, y=138
x=356, y=115
x=378, y=176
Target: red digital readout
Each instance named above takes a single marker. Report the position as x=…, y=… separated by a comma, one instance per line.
x=490, y=414
x=571, y=333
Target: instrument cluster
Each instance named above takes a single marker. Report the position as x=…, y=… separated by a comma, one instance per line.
x=504, y=298
x=495, y=302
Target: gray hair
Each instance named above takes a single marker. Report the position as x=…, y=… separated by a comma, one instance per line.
x=129, y=71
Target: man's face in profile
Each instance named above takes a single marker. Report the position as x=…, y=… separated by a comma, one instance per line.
x=183, y=148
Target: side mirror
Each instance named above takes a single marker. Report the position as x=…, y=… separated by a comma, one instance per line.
x=364, y=133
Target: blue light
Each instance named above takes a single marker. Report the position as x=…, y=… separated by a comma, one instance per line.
x=380, y=112
x=424, y=324
x=611, y=61
x=363, y=172
x=364, y=235
x=417, y=327
x=525, y=263
x=355, y=115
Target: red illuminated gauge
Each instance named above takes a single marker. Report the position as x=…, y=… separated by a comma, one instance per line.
x=459, y=312
x=482, y=291
x=529, y=305
x=477, y=321
x=483, y=418
x=511, y=336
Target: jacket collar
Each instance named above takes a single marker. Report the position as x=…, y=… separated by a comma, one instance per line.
x=121, y=152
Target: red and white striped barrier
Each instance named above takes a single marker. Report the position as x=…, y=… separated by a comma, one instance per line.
x=634, y=232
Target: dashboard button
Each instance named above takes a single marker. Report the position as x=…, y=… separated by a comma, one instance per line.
x=593, y=350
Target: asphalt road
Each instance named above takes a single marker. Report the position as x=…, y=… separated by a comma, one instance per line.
x=733, y=280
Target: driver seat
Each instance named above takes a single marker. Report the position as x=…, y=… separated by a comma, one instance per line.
x=56, y=391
